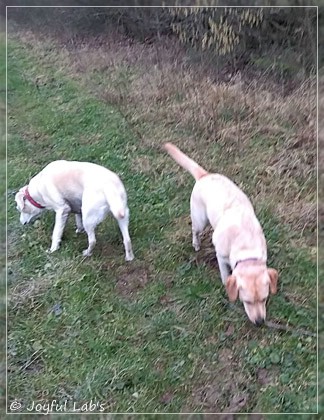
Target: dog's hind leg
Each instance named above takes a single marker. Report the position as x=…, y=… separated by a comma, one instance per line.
x=91, y=217
x=90, y=229
x=79, y=224
x=199, y=221
x=91, y=241
x=123, y=226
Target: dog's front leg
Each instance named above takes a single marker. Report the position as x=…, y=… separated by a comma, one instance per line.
x=224, y=268
x=60, y=221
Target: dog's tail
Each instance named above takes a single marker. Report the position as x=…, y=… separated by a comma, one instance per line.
x=183, y=160
x=119, y=213
x=117, y=203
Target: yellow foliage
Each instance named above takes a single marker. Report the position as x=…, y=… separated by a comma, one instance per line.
x=213, y=28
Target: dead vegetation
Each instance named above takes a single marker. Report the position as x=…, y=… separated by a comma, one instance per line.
x=223, y=122
x=165, y=97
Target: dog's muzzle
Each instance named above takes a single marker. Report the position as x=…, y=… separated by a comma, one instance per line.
x=259, y=321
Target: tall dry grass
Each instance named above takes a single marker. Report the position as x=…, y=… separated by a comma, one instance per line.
x=250, y=128
x=250, y=122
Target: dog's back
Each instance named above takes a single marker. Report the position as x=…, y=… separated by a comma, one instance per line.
x=213, y=193
x=64, y=173
x=219, y=195
x=70, y=180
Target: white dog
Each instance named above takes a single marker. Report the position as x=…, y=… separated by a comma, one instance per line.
x=238, y=237
x=86, y=189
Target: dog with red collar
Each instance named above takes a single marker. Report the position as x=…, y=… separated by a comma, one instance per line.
x=88, y=190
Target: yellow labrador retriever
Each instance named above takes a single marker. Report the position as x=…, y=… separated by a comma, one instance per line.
x=238, y=237
x=86, y=189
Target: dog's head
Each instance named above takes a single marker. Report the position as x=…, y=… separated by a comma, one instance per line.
x=252, y=285
x=28, y=212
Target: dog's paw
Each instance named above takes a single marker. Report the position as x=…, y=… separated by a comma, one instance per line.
x=129, y=257
x=196, y=243
x=52, y=249
x=86, y=253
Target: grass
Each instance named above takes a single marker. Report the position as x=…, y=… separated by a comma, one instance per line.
x=2, y=216
x=156, y=334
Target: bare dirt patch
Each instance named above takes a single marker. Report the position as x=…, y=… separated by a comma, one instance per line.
x=207, y=253
x=225, y=390
x=130, y=280
x=266, y=376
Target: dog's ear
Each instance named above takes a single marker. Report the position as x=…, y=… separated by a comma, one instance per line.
x=231, y=288
x=273, y=274
x=20, y=200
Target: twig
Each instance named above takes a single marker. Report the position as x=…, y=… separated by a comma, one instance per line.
x=276, y=326
x=289, y=329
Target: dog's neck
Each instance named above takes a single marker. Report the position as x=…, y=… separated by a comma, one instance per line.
x=250, y=261
x=31, y=200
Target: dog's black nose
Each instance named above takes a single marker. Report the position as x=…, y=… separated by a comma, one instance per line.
x=259, y=322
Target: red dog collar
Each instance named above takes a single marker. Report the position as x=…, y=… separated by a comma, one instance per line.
x=31, y=200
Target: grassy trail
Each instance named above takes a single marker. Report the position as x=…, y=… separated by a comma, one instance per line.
x=156, y=334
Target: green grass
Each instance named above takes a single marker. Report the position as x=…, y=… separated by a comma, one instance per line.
x=156, y=334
